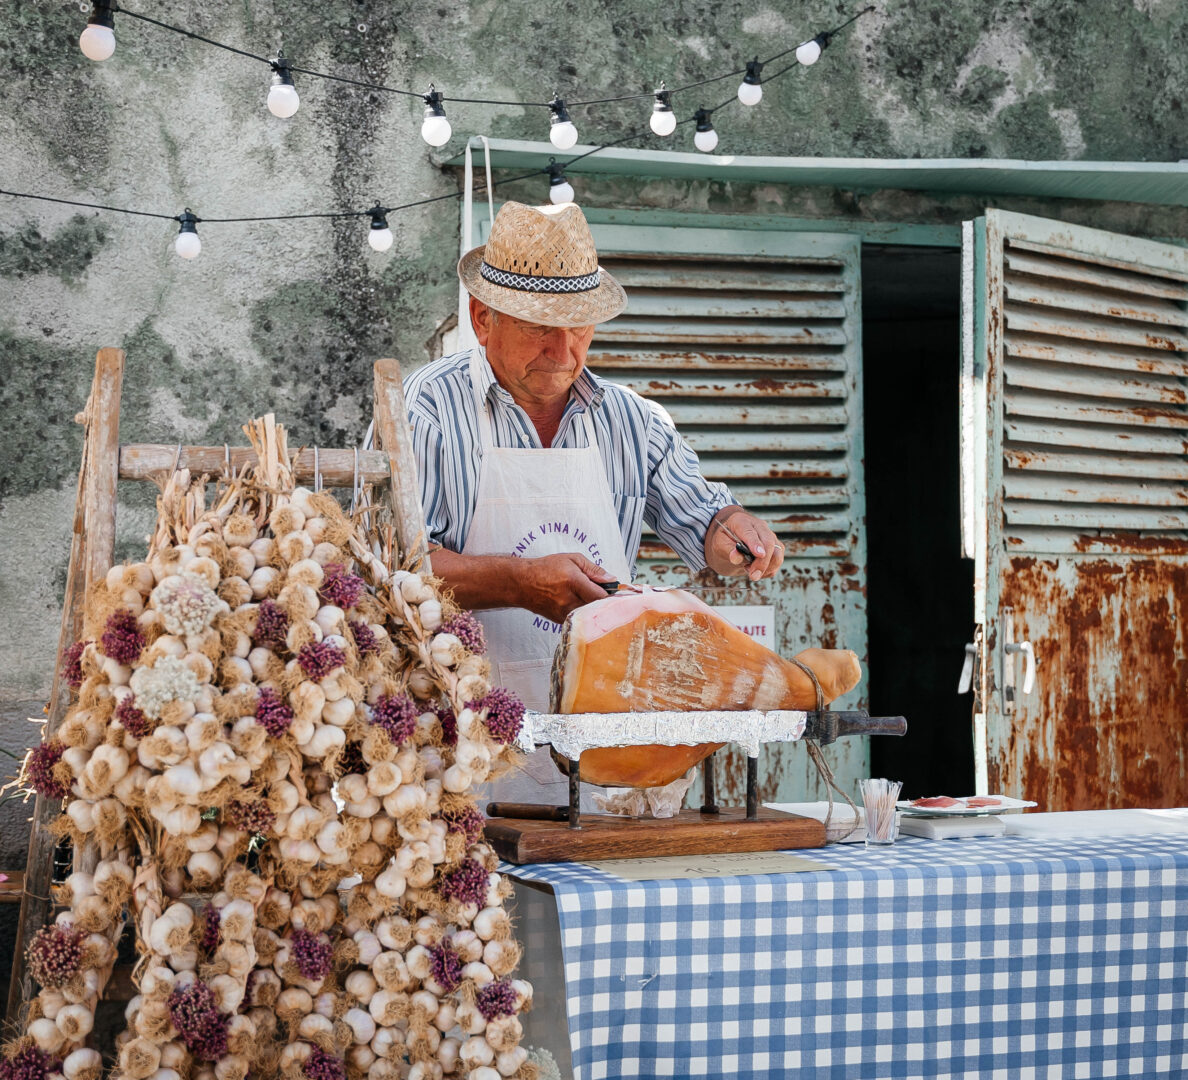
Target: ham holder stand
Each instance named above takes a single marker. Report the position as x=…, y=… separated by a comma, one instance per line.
x=523, y=833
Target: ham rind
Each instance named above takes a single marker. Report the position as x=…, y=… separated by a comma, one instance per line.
x=654, y=650
x=937, y=802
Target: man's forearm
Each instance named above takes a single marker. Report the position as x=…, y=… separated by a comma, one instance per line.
x=549, y=585
x=480, y=582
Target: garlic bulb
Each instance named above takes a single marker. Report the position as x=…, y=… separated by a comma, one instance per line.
x=82, y=1063
x=46, y=1033
x=361, y=1023
x=476, y=1051
x=430, y=614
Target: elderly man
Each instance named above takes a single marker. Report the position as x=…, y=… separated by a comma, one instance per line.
x=536, y=474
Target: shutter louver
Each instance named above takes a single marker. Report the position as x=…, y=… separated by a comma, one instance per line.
x=754, y=359
x=1095, y=402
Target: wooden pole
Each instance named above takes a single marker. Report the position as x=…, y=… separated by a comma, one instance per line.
x=143, y=461
x=91, y=548
x=394, y=437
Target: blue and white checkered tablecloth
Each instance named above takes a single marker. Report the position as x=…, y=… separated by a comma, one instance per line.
x=1012, y=958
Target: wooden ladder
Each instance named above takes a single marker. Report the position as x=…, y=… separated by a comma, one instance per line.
x=104, y=463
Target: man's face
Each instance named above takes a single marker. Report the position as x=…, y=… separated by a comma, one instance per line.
x=535, y=364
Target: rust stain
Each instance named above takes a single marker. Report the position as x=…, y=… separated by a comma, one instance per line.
x=1139, y=543
x=827, y=627
x=1108, y=723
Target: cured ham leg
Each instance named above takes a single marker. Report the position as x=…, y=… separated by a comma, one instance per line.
x=652, y=650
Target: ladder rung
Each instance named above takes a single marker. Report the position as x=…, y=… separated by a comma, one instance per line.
x=142, y=461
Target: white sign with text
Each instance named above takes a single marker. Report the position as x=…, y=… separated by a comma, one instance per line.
x=756, y=620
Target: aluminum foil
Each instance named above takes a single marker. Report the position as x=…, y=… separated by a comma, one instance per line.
x=571, y=734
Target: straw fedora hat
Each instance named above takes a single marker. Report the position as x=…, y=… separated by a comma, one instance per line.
x=540, y=266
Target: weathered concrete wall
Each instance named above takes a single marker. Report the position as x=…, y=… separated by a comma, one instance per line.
x=289, y=315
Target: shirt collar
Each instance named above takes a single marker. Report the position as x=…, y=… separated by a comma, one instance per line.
x=588, y=389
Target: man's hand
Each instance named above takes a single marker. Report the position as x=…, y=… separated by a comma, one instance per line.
x=554, y=585
x=721, y=554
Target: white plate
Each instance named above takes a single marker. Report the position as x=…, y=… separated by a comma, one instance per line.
x=961, y=810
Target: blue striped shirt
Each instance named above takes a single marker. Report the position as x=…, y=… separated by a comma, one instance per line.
x=653, y=473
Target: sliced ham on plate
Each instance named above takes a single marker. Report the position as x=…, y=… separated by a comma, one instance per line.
x=977, y=801
x=937, y=802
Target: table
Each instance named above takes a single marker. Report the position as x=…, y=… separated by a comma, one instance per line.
x=1010, y=957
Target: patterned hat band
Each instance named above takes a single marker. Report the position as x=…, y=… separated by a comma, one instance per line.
x=532, y=283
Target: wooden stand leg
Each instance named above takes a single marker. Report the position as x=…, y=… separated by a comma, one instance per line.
x=752, y=788
x=575, y=793
x=91, y=550
x=709, y=805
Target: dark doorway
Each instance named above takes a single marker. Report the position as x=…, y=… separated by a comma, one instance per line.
x=919, y=588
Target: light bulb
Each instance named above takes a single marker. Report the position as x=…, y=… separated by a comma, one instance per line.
x=706, y=137
x=282, y=94
x=560, y=189
x=663, y=123
x=380, y=239
x=436, y=130
x=187, y=245
x=563, y=135
x=97, y=41
x=283, y=100
x=379, y=236
x=749, y=91
x=663, y=119
x=809, y=52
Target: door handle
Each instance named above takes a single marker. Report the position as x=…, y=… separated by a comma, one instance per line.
x=1028, y=653
x=965, y=683
x=1011, y=688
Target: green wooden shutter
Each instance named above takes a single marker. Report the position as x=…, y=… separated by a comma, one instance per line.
x=752, y=358
x=1095, y=399
x=752, y=341
x=1076, y=433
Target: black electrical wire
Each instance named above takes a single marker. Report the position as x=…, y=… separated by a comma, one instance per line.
x=188, y=33
x=90, y=206
x=363, y=84
x=630, y=137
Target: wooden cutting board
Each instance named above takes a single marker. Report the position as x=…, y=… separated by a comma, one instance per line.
x=605, y=836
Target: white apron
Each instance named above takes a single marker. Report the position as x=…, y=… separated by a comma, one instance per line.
x=532, y=503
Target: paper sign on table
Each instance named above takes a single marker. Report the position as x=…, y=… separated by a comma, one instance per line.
x=729, y=864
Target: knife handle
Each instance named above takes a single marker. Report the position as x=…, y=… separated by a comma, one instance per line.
x=528, y=811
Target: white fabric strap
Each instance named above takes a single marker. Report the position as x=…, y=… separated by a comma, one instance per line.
x=490, y=188
x=466, y=338
x=482, y=417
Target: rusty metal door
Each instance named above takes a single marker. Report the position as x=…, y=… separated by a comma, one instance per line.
x=1075, y=510
x=752, y=342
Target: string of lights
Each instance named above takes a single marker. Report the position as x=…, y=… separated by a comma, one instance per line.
x=98, y=43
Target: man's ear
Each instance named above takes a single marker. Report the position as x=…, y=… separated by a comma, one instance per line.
x=480, y=319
